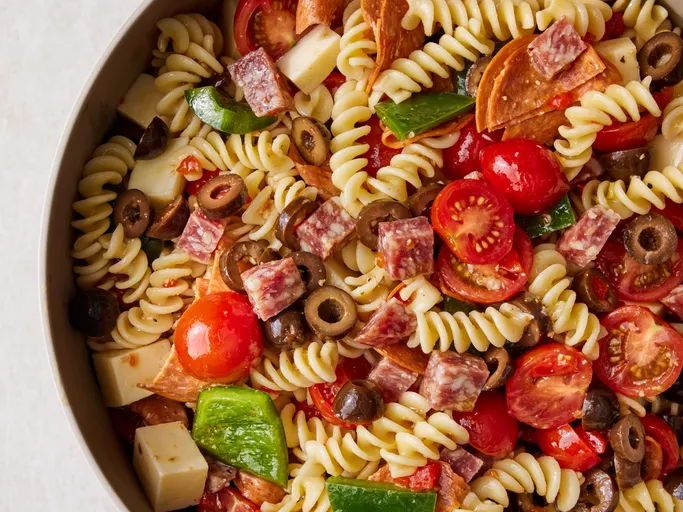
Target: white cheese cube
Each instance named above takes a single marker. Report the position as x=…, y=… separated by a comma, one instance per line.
x=119, y=372
x=666, y=152
x=139, y=104
x=157, y=177
x=314, y=57
x=623, y=54
x=170, y=466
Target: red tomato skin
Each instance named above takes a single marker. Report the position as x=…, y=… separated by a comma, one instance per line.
x=623, y=136
x=664, y=97
x=463, y=157
x=189, y=165
x=323, y=394
x=218, y=338
x=379, y=155
x=309, y=410
x=673, y=212
x=492, y=430
x=595, y=440
x=425, y=478
x=566, y=446
x=527, y=173
x=614, y=27
x=277, y=13
x=561, y=101
x=227, y=499
x=192, y=187
x=334, y=81
x=660, y=430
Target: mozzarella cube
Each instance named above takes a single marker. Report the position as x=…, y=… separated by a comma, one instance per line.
x=623, y=54
x=314, y=57
x=666, y=152
x=170, y=466
x=139, y=104
x=119, y=372
x=158, y=177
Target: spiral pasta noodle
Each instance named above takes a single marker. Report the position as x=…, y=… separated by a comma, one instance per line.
x=548, y=281
x=647, y=497
x=596, y=111
x=672, y=123
x=317, y=105
x=587, y=16
x=356, y=44
x=645, y=17
x=132, y=262
x=286, y=188
x=526, y=474
x=262, y=215
x=367, y=290
x=306, y=492
x=473, y=503
x=420, y=294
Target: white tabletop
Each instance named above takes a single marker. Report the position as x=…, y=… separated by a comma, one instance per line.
x=48, y=50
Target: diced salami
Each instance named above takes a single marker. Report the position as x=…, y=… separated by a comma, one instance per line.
x=393, y=378
x=200, y=236
x=453, y=381
x=265, y=88
x=582, y=243
x=674, y=301
x=258, y=490
x=556, y=48
x=326, y=230
x=407, y=247
x=462, y=462
x=175, y=383
x=220, y=475
x=391, y=323
x=156, y=409
x=273, y=286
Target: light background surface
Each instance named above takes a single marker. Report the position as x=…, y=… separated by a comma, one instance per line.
x=47, y=50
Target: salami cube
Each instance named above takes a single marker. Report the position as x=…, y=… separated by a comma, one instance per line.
x=326, y=230
x=556, y=48
x=674, y=301
x=391, y=323
x=462, y=462
x=407, y=247
x=220, y=474
x=157, y=409
x=393, y=378
x=200, y=236
x=582, y=242
x=453, y=381
x=265, y=88
x=273, y=287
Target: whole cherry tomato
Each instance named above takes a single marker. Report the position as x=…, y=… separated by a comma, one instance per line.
x=218, y=338
x=269, y=24
x=567, y=447
x=631, y=135
x=527, y=173
x=379, y=155
x=661, y=432
x=192, y=187
x=462, y=157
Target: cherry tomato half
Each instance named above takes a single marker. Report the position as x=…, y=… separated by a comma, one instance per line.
x=614, y=27
x=594, y=439
x=462, y=157
x=474, y=220
x=492, y=430
x=487, y=284
x=673, y=212
x=631, y=135
x=192, y=187
x=270, y=24
x=660, y=430
x=227, y=499
x=641, y=355
x=637, y=281
x=379, y=155
x=218, y=338
x=566, y=446
x=425, y=478
x=549, y=386
x=527, y=173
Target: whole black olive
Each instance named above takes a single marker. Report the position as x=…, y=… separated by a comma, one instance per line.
x=650, y=239
x=359, y=402
x=133, y=211
x=330, y=312
x=382, y=210
x=312, y=139
x=600, y=410
x=287, y=329
x=599, y=492
x=584, y=285
x=673, y=483
x=94, y=312
x=170, y=222
x=627, y=438
x=154, y=140
x=222, y=196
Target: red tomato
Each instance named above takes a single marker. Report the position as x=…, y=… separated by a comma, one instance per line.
x=334, y=81
x=462, y=157
x=492, y=430
x=323, y=394
x=189, y=165
x=660, y=430
x=651, y=466
x=614, y=27
x=673, y=212
x=641, y=355
x=218, y=338
x=595, y=440
x=636, y=281
x=527, y=173
x=664, y=97
x=567, y=447
x=474, y=220
x=269, y=24
x=227, y=499
x=621, y=136
x=309, y=410
x=561, y=101
x=379, y=155
x=192, y=187
x=424, y=479
x=487, y=284
x=549, y=386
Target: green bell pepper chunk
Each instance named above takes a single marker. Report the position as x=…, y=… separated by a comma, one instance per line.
x=459, y=79
x=225, y=114
x=558, y=217
x=421, y=112
x=242, y=427
x=452, y=306
x=349, y=495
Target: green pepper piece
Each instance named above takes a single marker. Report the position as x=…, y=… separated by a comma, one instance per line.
x=459, y=79
x=452, y=305
x=349, y=495
x=558, y=217
x=241, y=427
x=225, y=114
x=151, y=247
x=422, y=112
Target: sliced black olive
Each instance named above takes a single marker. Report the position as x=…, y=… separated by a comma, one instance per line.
x=239, y=258
x=650, y=239
x=221, y=82
x=330, y=312
x=287, y=330
x=660, y=56
x=382, y=210
x=530, y=304
x=133, y=211
x=421, y=201
x=626, y=472
x=359, y=402
x=474, y=75
x=525, y=503
x=584, y=286
x=126, y=128
x=269, y=255
x=94, y=312
x=622, y=165
x=600, y=410
x=312, y=270
x=599, y=491
x=293, y=215
x=312, y=139
x=627, y=438
x=154, y=141
x=170, y=222
x=673, y=483
x=222, y=196
x=500, y=367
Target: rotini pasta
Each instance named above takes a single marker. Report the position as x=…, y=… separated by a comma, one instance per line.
x=356, y=45
x=645, y=17
x=306, y=492
x=317, y=105
x=368, y=289
x=587, y=16
x=420, y=294
x=647, y=497
x=672, y=122
x=132, y=262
